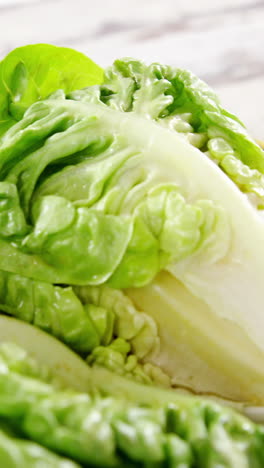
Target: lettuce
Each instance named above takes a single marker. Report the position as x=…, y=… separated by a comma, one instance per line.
x=33, y=72
x=131, y=221
x=110, y=422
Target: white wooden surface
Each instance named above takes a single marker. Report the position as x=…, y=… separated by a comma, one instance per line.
x=220, y=40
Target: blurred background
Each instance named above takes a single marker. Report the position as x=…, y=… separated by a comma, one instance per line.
x=220, y=40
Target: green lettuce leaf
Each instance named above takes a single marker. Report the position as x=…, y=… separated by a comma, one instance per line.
x=12, y=218
x=33, y=72
x=88, y=319
x=102, y=431
x=52, y=308
x=182, y=102
x=120, y=203
x=30, y=351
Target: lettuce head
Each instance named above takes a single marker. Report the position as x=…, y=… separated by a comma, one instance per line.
x=131, y=221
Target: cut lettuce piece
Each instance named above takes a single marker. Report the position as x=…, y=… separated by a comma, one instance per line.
x=208, y=261
x=135, y=248
x=118, y=184
x=31, y=73
x=30, y=351
x=156, y=426
x=109, y=431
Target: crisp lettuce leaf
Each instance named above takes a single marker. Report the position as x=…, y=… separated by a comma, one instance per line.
x=137, y=336
x=110, y=224
x=140, y=425
x=88, y=319
x=33, y=72
x=179, y=100
x=30, y=351
x=52, y=308
x=129, y=323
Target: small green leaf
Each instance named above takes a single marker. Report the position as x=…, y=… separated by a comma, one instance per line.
x=33, y=72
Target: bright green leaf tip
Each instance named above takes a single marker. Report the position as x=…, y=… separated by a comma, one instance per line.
x=33, y=72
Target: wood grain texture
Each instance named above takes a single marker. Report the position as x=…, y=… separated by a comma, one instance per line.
x=222, y=41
